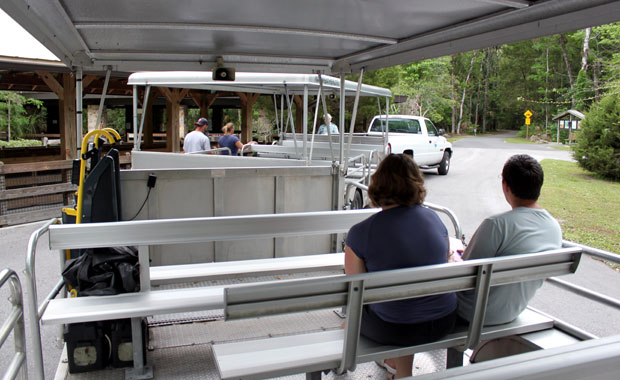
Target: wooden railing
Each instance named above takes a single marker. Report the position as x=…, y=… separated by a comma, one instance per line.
x=36, y=191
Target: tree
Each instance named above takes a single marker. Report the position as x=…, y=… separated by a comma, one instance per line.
x=598, y=146
x=465, y=85
x=571, y=81
x=27, y=115
x=426, y=85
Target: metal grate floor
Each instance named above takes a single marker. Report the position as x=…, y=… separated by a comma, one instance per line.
x=183, y=351
x=180, y=345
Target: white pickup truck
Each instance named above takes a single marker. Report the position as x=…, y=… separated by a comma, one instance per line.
x=416, y=136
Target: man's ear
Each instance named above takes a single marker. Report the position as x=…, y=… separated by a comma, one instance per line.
x=506, y=188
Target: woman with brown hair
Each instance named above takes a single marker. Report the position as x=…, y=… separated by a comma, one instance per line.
x=403, y=234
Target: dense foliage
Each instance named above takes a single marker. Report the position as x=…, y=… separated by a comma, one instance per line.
x=490, y=89
x=598, y=147
x=21, y=114
x=20, y=143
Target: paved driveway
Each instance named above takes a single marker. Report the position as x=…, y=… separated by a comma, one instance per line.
x=472, y=189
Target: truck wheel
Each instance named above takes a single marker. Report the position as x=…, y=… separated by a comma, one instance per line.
x=358, y=201
x=444, y=165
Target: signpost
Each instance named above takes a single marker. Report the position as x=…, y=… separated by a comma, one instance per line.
x=528, y=114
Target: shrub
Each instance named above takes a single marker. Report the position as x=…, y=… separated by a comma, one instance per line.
x=19, y=143
x=598, y=145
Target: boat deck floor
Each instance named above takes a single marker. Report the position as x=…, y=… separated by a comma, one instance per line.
x=180, y=345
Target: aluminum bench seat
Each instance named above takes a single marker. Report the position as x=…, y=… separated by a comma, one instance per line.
x=140, y=304
x=130, y=305
x=170, y=274
x=312, y=353
x=168, y=301
x=317, y=351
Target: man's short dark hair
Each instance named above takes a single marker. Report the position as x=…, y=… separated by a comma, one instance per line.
x=397, y=181
x=524, y=176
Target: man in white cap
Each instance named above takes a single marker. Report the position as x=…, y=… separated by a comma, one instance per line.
x=333, y=128
x=196, y=140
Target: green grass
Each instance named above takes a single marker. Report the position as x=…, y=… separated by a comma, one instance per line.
x=587, y=207
x=562, y=147
x=455, y=138
x=518, y=140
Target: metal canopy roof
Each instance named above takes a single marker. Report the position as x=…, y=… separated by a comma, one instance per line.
x=288, y=35
x=264, y=83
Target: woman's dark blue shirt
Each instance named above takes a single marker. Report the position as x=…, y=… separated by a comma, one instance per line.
x=404, y=237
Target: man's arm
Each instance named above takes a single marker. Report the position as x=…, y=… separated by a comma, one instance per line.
x=485, y=242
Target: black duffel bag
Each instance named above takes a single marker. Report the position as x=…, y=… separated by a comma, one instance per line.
x=104, y=271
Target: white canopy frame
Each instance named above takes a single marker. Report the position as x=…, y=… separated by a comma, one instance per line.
x=285, y=85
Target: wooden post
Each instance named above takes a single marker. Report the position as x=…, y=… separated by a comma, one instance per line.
x=66, y=105
x=66, y=178
x=299, y=112
x=173, y=105
x=247, y=103
x=204, y=101
x=3, y=207
x=69, y=121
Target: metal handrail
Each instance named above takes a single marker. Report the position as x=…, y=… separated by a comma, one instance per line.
x=14, y=323
x=34, y=330
x=601, y=254
x=207, y=151
x=458, y=231
x=584, y=292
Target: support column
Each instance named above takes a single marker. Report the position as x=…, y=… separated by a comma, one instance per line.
x=217, y=117
x=247, y=103
x=68, y=117
x=66, y=112
x=204, y=101
x=128, y=121
x=79, y=97
x=182, y=121
x=148, y=117
x=92, y=112
x=173, y=105
x=299, y=113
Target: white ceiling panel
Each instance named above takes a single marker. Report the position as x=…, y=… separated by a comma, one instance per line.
x=289, y=35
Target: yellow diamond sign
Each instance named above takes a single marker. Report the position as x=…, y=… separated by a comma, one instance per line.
x=528, y=114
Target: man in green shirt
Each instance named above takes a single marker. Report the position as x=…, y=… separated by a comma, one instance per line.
x=527, y=228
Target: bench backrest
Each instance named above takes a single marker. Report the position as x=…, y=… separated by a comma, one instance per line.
x=320, y=151
x=199, y=230
x=358, y=290
x=358, y=138
x=335, y=145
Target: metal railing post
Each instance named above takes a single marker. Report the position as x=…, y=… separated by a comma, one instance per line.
x=34, y=330
x=15, y=324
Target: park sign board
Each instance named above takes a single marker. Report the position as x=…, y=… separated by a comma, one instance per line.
x=568, y=124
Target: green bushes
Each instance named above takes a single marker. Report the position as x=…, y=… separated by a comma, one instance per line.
x=19, y=143
x=27, y=115
x=598, y=146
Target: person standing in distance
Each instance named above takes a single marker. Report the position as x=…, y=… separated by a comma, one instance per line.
x=333, y=128
x=196, y=140
x=229, y=140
